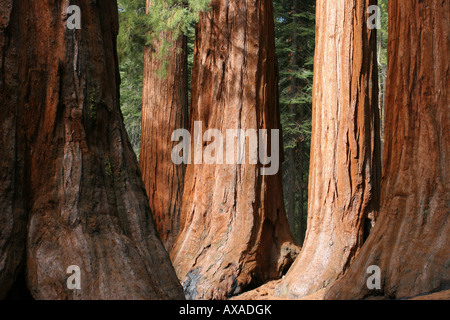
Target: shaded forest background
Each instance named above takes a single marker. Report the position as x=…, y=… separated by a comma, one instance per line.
x=294, y=40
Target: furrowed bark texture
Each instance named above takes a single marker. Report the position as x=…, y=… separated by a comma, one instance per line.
x=410, y=242
x=13, y=216
x=164, y=109
x=87, y=203
x=234, y=231
x=345, y=155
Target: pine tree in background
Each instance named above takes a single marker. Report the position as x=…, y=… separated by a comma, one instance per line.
x=138, y=30
x=295, y=37
x=382, y=41
x=131, y=42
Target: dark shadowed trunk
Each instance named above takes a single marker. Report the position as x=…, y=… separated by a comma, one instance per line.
x=164, y=109
x=86, y=201
x=345, y=165
x=410, y=242
x=234, y=232
x=13, y=205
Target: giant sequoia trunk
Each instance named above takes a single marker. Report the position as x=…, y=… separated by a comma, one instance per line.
x=410, y=242
x=345, y=166
x=164, y=109
x=234, y=231
x=85, y=198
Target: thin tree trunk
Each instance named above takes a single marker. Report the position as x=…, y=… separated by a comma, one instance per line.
x=86, y=200
x=410, y=241
x=164, y=109
x=345, y=165
x=234, y=227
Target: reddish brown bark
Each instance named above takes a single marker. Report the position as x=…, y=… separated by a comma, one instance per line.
x=86, y=201
x=345, y=166
x=164, y=109
x=234, y=230
x=410, y=242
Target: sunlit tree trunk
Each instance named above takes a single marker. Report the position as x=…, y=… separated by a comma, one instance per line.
x=410, y=242
x=234, y=230
x=345, y=148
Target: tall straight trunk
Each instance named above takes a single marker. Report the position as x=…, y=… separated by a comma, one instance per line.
x=345, y=165
x=234, y=230
x=164, y=109
x=86, y=200
x=13, y=205
x=410, y=242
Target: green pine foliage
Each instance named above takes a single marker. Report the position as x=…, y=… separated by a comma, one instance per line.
x=382, y=34
x=168, y=19
x=137, y=30
x=382, y=43
x=130, y=49
x=296, y=106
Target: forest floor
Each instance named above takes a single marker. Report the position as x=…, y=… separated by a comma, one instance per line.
x=266, y=292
